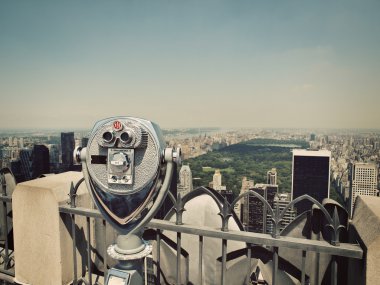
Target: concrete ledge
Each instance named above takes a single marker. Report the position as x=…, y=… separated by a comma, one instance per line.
x=365, y=230
x=43, y=243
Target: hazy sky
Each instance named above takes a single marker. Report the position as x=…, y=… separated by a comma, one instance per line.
x=67, y=64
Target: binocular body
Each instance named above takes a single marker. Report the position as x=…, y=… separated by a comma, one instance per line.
x=124, y=167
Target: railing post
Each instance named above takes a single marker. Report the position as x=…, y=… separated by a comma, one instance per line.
x=303, y=266
x=179, y=209
x=89, y=264
x=72, y=195
x=178, y=277
x=105, y=269
x=200, y=268
x=249, y=253
x=5, y=221
x=158, y=238
x=225, y=214
x=74, y=248
x=224, y=260
x=334, y=270
x=275, y=265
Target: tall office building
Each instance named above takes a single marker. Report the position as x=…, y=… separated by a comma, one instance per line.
x=6, y=156
x=67, y=147
x=238, y=208
x=26, y=166
x=311, y=176
x=54, y=157
x=216, y=183
x=363, y=181
x=16, y=170
x=34, y=162
x=185, y=180
x=227, y=194
x=255, y=216
x=217, y=179
x=21, y=143
x=281, y=200
x=272, y=176
x=375, y=145
x=40, y=160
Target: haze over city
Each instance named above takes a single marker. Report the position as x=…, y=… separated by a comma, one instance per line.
x=296, y=64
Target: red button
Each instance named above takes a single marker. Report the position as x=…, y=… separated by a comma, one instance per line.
x=117, y=125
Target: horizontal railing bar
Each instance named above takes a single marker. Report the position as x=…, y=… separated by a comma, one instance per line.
x=92, y=213
x=344, y=249
x=6, y=198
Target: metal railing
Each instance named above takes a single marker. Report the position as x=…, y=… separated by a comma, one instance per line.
x=72, y=210
x=88, y=214
x=6, y=250
x=274, y=242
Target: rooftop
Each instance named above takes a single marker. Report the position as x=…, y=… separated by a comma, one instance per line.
x=52, y=239
x=304, y=152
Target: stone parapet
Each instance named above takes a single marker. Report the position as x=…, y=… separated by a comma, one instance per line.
x=42, y=236
x=365, y=230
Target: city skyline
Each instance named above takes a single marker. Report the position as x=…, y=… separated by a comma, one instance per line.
x=250, y=64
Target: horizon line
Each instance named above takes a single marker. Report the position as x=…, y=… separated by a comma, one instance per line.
x=194, y=128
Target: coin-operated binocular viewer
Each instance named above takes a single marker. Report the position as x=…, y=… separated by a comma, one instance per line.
x=127, y=170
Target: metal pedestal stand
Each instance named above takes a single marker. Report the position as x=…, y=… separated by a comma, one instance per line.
x=130, y=251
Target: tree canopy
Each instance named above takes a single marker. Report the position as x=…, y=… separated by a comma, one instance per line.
x=251, y=159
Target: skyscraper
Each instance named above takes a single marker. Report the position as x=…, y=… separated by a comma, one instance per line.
x=254, y=212
x=239, y=206
x=272, y=176
x=6, y=156
x=255, y=217
x=16, y=170
x=217, y=179
x=34, y=162
x=40, y=163
x=310, y=175
x=21, y=143
x=67, y=147
x=54, y=157
x=216, y=183
x=26, y=166
x=185, y=180
x=363, y=181
x=281, y=200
